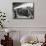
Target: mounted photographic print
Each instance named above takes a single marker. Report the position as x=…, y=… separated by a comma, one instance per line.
x=23, y=10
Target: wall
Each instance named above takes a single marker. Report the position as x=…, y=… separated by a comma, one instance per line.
x=39, y=14
x=37, y=24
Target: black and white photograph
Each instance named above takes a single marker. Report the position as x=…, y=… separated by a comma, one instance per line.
x=23, y=10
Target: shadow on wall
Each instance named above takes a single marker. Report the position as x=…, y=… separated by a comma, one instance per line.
x=16, y=43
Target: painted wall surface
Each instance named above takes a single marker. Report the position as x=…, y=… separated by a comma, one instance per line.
x=25, y=26
x=39, y=14
x=37, y=24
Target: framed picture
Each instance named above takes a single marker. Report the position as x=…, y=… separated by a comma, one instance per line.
x=23, y=10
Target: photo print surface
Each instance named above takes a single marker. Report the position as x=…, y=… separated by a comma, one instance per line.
x=23, y=10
